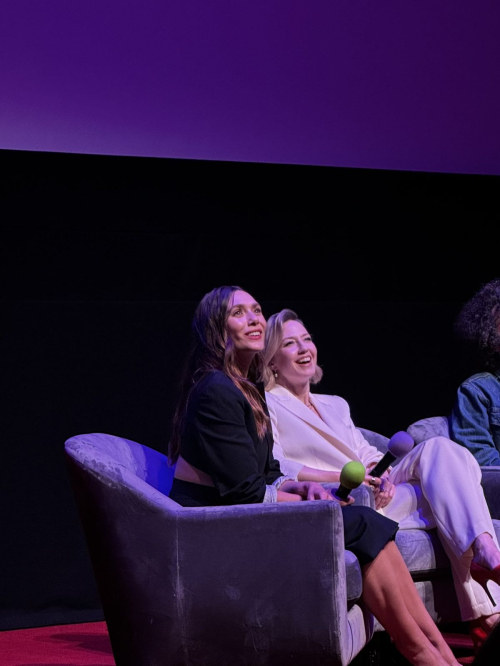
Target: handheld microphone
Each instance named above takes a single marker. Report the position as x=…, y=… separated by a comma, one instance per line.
x=351, y=476
x=399, y=445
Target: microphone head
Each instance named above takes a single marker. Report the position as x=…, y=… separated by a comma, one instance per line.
x=352, y=474
x=400, y=444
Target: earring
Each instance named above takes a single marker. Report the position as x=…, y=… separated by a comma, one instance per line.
x=275, y=374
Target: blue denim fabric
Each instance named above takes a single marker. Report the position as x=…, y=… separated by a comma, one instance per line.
x=475, y=419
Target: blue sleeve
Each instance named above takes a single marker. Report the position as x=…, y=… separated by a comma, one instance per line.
x=470, y=425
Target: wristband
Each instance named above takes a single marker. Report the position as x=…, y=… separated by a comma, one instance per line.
x=282, y=479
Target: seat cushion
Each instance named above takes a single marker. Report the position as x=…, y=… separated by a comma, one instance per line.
x=424, y=554
x=491, y=487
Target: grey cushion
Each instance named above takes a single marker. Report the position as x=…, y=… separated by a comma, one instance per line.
x=375, y=439
x=423, y=553
x=491, y=486
x=434, y=426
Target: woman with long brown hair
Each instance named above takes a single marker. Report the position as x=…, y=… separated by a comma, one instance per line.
x=222, y=447
x=221, y=438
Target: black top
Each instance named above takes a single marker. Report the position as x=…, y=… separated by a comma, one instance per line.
x=220, y=438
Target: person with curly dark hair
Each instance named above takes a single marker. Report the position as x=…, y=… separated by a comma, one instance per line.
x=475, y=419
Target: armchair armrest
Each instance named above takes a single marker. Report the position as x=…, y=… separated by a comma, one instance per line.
x=491, y=487
x=281, y=567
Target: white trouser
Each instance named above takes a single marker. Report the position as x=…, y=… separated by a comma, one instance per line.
x=438, y=484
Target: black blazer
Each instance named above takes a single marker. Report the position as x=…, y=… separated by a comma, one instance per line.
x=220, y=438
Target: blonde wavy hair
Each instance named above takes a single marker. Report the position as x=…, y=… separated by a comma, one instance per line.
x=273, y=340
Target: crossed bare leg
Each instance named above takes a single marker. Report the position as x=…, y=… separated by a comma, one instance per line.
x=390, y=594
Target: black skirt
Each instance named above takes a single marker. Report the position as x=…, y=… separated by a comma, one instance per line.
x=366, y=532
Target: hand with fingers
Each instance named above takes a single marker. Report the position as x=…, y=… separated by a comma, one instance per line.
x=310, y=490
x=383, y=489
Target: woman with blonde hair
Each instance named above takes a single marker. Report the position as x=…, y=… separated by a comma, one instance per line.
x=314, y=436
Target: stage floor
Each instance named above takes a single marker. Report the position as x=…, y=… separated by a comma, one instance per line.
x=63, y=645
x=88, y=645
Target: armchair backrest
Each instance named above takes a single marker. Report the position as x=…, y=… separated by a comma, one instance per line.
x=117, y=455
x=128, y=522
x=434, y=426
x=375, y=439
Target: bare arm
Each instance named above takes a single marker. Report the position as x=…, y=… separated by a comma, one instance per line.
x=288, y=497
x=320, y=475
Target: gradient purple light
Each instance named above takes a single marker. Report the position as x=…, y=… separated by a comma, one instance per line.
x=393, y=85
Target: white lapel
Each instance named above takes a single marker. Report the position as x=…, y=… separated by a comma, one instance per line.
x=331, y=426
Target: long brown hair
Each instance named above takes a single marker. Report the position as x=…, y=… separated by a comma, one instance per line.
x=211, y=349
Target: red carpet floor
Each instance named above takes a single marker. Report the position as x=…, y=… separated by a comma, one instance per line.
x=64, y=645
x=88, y=645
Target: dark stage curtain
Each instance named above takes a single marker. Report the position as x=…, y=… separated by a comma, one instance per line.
x=100, y=277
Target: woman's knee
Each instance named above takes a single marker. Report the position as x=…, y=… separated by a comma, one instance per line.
x=443, y=447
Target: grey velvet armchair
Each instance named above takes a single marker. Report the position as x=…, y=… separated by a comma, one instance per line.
x=217, y=586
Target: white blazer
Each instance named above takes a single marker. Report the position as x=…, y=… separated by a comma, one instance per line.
x=302, y=438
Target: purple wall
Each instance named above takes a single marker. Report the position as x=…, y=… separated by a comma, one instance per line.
x=398, y=84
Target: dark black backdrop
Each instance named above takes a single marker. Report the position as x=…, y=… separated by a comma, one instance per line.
x=103, y=260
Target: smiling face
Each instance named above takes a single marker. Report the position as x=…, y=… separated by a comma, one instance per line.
x=245, y=323
x=295, y=360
